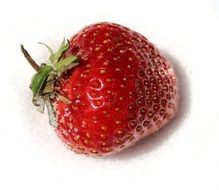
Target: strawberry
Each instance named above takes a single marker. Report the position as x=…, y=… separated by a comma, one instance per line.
x=105, y=89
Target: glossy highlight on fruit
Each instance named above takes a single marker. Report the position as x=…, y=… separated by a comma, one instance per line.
x=121, y=90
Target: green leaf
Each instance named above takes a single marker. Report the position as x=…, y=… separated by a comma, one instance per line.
x=55, y=57
x=65, y=64
x=39, y=79
x=49, y=48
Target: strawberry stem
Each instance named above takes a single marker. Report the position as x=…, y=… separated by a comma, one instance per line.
x=30, y=59
x=44, y=80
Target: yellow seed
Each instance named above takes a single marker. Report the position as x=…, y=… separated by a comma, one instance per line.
x=81, y=148
x=118, y=142
x=118, y=122
x=65, y=133
x=88, y=135
x=84, y=122
x=76, y=138
x=74, y=108
x=100, y=57
x=98, y=103
x=106, y=63
x=78, y=84
x=103, y=144
x=121, y=98
x=93, y=94
x=94, y=117
x=86, y=141
x=120, y=132
x=97, y=48
x=94, y=151
x=108, y=80
x=102, y=71
x=88, y=65
x=83, y=75
x=103, y=136
x=129, y=66
x=103, y=128
x=104, y=112
x=108, y=149
x=117, y=69
x=128, y=135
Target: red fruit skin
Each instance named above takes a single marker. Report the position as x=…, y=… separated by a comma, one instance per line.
x=122, y=90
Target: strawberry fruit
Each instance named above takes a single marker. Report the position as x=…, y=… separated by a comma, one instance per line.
x=105, y=89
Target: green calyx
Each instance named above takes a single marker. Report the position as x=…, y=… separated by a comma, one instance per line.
x=43, y=82
x=39, y=79
x=57, y=65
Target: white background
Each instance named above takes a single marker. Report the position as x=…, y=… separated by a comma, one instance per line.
x=184, y=155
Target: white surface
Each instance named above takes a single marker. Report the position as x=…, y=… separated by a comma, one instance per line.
x=184, y=155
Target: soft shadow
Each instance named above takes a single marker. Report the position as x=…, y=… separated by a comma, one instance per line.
x=153, y=142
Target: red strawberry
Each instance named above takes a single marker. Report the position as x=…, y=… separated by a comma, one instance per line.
x=120, y=89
